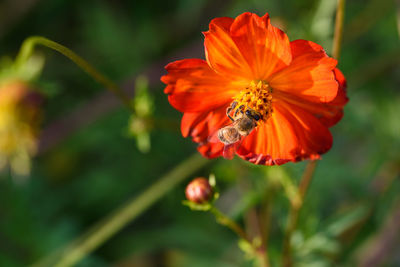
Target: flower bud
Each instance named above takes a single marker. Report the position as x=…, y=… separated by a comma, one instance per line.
x=199, y=191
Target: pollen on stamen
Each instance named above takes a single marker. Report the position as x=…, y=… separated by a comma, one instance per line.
x=258, y=97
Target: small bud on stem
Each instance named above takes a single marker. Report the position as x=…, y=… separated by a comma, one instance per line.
x=199, y=191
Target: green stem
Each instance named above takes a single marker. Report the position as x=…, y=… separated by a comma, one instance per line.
x=294, y=213
x=398, y=16
x=27, y=49
x=113, y=223
x=228, y=222
x=337, y=39
x=264, y=224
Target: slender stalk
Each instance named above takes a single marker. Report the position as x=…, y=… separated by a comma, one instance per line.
x=398, y=16
x=228, y=222
x=263, y=224
x=118, y=219
x=253, y=222
x=306, y=178
x=264, y=259
x=236, y=228
x=294, y=213
x=27, y=49
x=337, y=38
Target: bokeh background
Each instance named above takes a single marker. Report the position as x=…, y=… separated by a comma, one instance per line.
x=88, y=164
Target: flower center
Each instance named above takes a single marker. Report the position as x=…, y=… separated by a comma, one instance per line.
x=256, y=97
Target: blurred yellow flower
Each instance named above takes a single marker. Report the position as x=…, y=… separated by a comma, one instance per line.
x=19, y=125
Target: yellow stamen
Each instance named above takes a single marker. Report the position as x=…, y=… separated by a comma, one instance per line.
x=258, y=97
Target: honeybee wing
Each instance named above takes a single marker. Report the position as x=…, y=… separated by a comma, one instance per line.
x=213, y=138
x=230, y=150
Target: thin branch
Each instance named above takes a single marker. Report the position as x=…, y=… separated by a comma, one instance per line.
x=27, y=49
x=398, y=16
x=228, y=222
x=337, y=39
x=294, y=213
x=104, y=102
x=117, y=220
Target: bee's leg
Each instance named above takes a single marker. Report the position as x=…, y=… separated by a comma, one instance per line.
x=239, y=109
x=229, y=109
x=229, y=116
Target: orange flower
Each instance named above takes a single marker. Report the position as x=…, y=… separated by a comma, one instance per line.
x=20, y=116
x=294, y=88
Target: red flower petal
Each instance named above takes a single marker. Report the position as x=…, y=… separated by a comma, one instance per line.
x=309, y=76
x=222, y=53
x=341, y=97
x=201, y=125
x=328, y=113
x=291, y=134
x=194, y=125
x=193, y=86
x=211, y=150
x=337, y=104
x=248, y=47
x=265, y=47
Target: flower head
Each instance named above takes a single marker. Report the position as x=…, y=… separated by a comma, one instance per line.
x=19, y=124
x=291, y=91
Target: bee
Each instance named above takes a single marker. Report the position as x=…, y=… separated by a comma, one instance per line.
x=243, y=123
